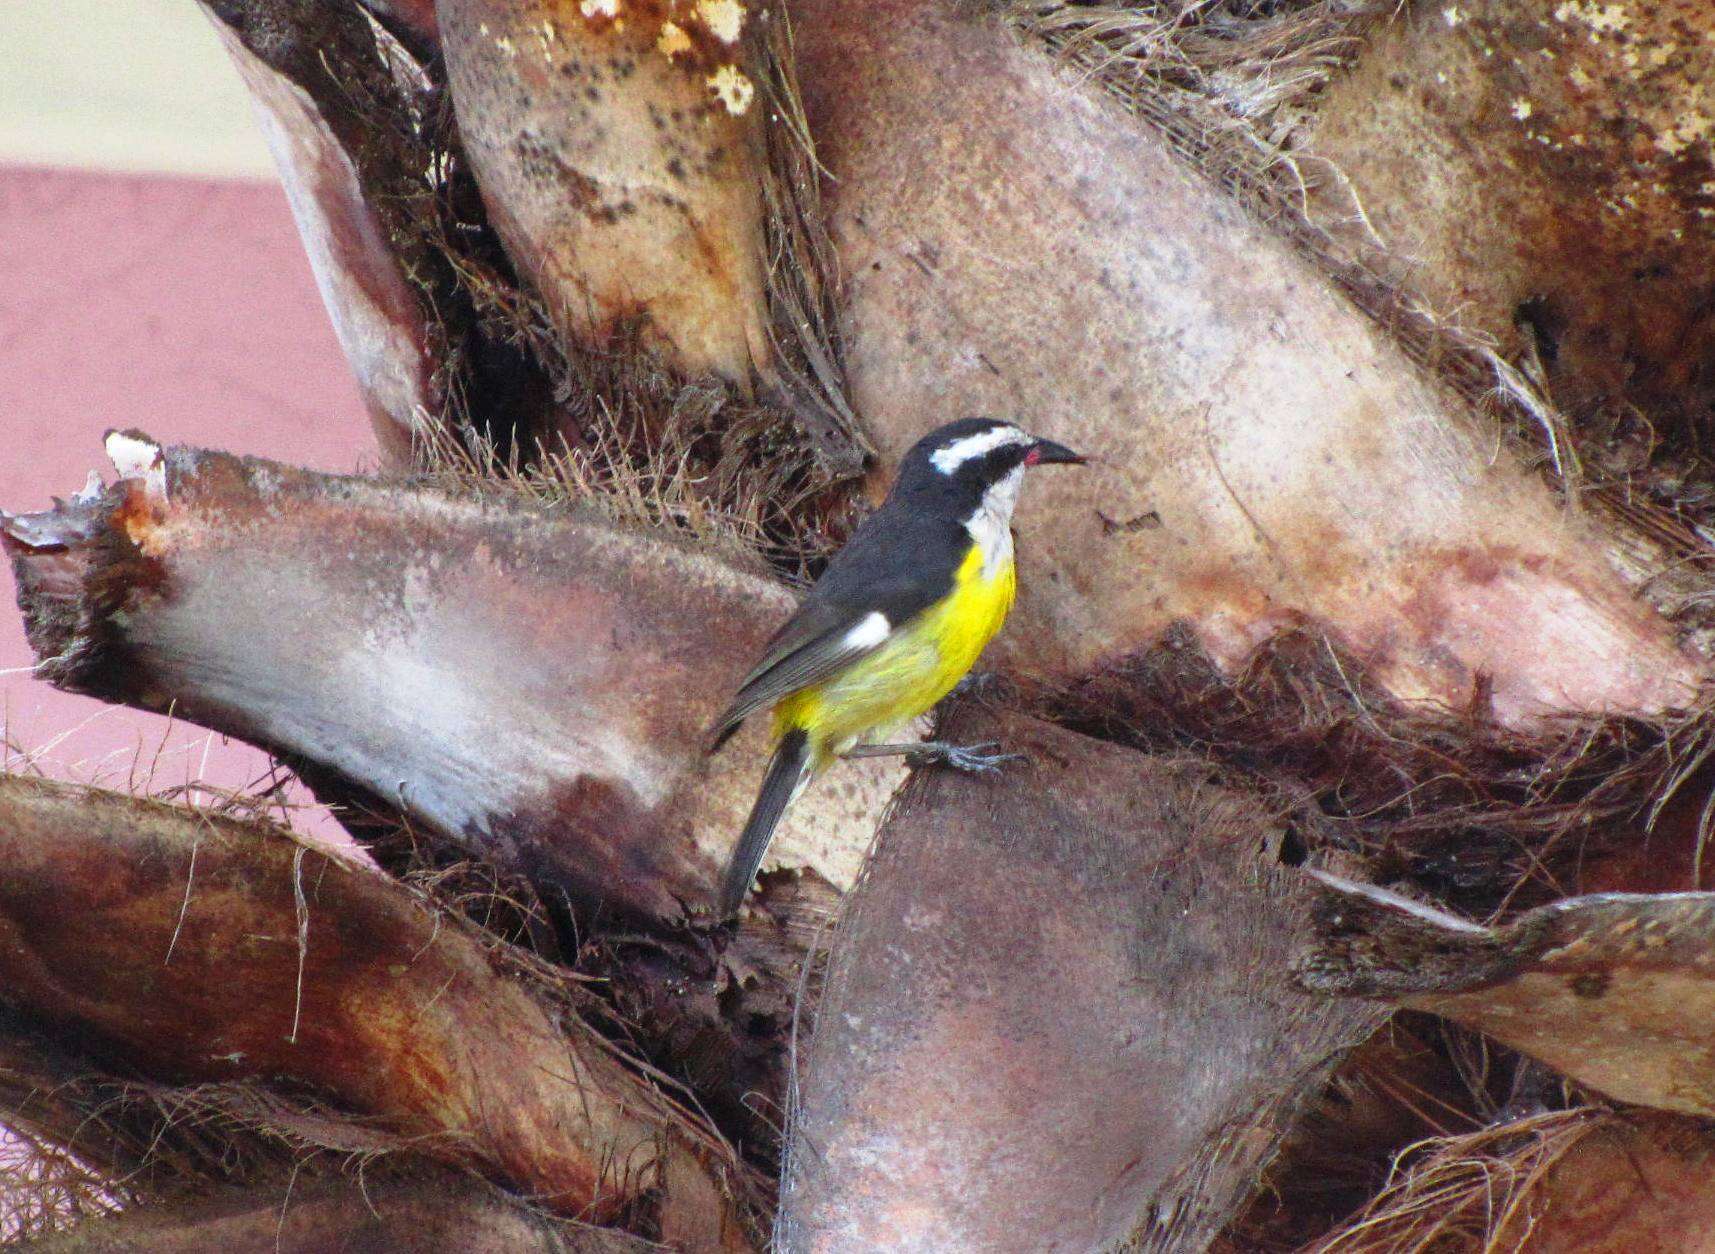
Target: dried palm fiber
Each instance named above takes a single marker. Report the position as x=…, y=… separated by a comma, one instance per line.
x=1474, y=813
x=1415, y=1079
x=1590, y=1180
x=426, y=1214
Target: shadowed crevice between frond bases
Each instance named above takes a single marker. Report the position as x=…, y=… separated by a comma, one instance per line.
x=1478, y=815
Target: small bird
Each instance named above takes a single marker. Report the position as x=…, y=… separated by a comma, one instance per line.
x=894, y=623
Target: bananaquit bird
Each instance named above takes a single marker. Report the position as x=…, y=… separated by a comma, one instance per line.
x=894, y=623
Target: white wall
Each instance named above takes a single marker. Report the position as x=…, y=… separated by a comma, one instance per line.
x=136, y=85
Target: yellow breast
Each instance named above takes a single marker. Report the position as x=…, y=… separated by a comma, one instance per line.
x=918, y=665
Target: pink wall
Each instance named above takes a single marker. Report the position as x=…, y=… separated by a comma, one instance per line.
x=181, y=307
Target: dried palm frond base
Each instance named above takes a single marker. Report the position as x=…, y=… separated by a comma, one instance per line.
x=519, y=380
x=1233, y=85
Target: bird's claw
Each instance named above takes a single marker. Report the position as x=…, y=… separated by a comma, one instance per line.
x=973, y=759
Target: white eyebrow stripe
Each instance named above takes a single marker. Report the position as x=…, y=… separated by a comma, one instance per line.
x=871, y=630
x=956, y=454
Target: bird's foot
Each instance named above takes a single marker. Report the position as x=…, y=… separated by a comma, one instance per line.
x=973, y=759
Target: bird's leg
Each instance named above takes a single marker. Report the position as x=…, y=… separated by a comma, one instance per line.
x=973, y=758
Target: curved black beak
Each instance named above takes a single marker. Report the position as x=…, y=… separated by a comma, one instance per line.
x=1048, y=453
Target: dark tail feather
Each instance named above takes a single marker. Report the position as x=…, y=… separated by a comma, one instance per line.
x=790, y=761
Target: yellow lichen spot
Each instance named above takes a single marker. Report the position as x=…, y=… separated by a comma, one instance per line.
x=1684, y=133
x=1580, y=78
x=732, y=88
x=1522, y=108
x=723, y=18
x=1452, y=15
x=673, y=40
x=599, y=8
x=1602, y=19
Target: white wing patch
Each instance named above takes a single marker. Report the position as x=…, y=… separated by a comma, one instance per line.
x=949, y=459
x=871, y=630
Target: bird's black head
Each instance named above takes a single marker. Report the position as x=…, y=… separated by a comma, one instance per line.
x=968, y=458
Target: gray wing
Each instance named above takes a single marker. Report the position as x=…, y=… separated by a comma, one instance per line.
x=814, y=644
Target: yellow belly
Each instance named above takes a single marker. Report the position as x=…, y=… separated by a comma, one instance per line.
x=918, y=666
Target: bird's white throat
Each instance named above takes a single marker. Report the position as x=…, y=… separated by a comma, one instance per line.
x=991, y=525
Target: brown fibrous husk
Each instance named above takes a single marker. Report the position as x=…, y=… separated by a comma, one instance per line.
x=1473, y=813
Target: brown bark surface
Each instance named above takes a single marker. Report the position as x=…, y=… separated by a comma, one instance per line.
x=187, y=947
x=619, y=150
x=1058, y=1011
x=1638, y=1185
x=1016, y=244
x=1541, y=172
